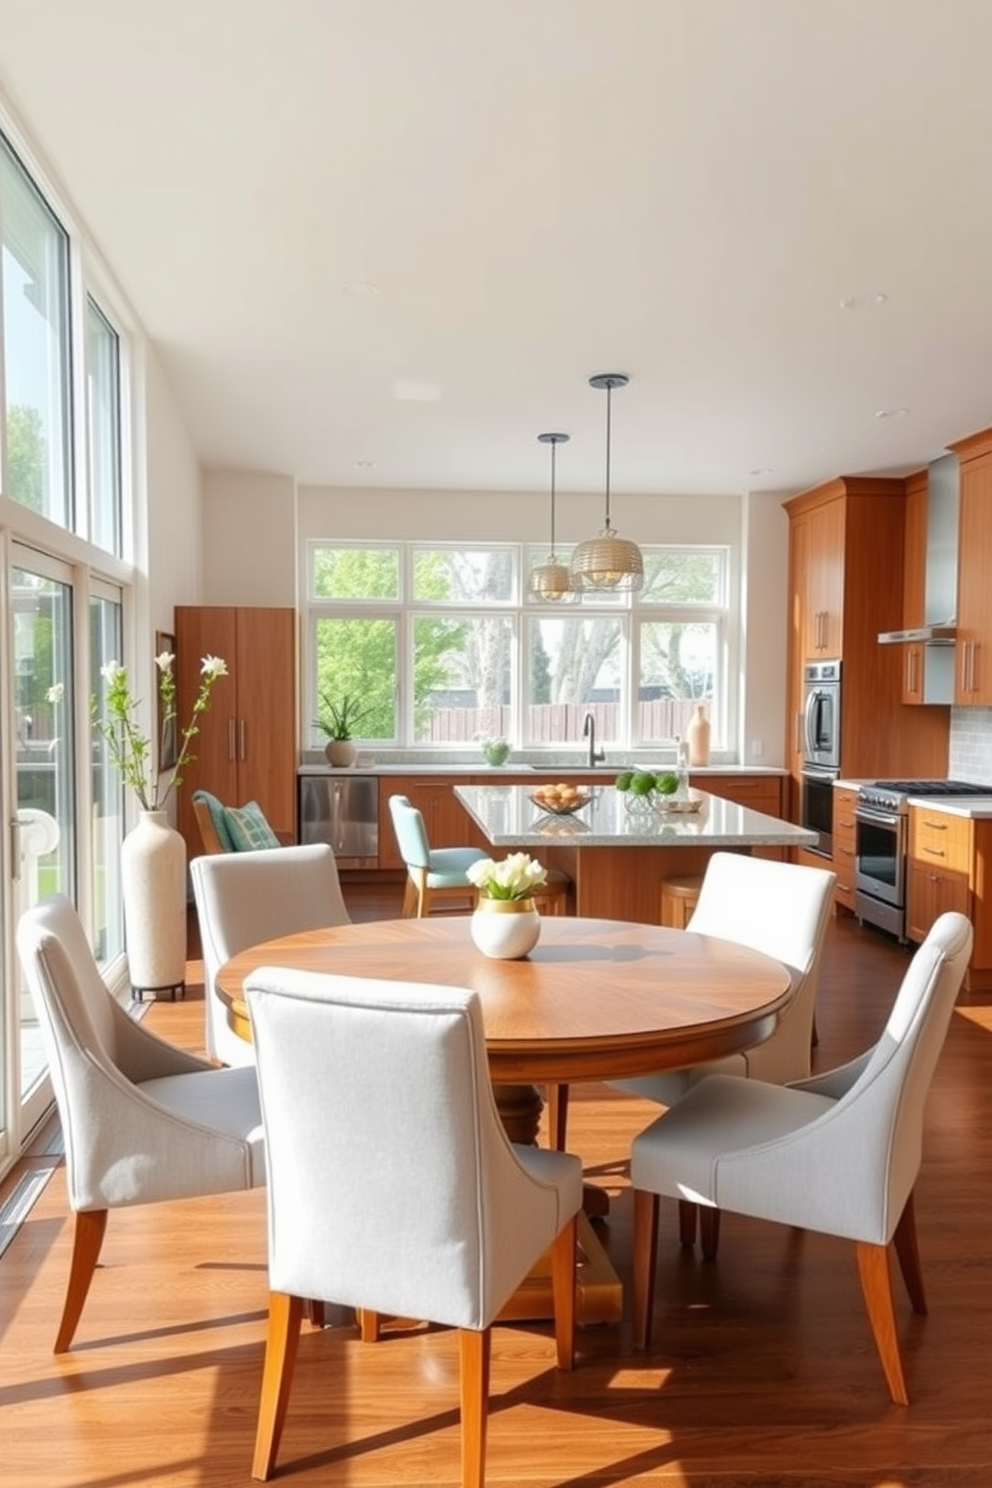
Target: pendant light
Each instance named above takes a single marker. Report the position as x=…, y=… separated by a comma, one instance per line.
x=608, y=561
x=551, y=581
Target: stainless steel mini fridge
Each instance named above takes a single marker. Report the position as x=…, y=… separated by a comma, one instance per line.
x=342, y=809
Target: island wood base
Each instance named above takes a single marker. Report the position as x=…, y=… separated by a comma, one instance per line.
x=624, y=883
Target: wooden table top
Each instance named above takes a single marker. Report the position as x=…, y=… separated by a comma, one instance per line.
x=595, y=999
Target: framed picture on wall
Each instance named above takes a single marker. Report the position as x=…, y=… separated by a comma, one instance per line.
x=167, y=743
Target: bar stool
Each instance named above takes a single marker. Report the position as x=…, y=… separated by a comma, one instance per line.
x=678, y=899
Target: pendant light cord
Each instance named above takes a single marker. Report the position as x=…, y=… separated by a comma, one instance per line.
x=609, y=407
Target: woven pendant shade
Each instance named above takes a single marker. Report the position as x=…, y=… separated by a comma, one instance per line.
x=551, y=582
x=608, y=561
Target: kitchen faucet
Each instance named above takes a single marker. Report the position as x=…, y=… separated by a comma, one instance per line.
x=589, y=732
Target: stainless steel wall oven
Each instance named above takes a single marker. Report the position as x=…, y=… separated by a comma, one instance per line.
x=821, y=750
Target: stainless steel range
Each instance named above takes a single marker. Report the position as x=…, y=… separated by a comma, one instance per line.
x=881, y=822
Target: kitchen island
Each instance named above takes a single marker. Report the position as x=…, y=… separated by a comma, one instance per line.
x=615, y=852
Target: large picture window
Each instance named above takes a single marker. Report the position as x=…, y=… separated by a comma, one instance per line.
x=445, y=647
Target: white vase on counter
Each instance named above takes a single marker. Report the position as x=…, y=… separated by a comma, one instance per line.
x=505, y=929
x=153, y=883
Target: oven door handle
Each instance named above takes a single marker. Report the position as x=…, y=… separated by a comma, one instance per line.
x=877, y=818
x=809, y=725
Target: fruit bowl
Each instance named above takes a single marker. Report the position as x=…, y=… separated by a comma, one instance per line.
x=561, y=805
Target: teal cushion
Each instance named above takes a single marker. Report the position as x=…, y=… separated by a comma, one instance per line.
x=218, y=817
x=248, y=828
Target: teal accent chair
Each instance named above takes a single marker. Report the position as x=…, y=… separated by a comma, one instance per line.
x=433, y=874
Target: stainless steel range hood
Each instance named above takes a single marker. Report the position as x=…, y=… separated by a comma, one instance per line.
x=941, y=581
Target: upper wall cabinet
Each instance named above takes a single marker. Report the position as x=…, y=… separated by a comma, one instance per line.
x=914, y=585
x=973, y=678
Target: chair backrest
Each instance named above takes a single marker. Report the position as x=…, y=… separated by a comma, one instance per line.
x=391, y=1179
x=74, y=1008
x=781, y=909
x=860, y=1155
x=209, y=813
x=243, y=898
x=411, y=834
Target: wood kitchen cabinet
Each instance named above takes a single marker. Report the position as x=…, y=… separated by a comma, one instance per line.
x=973, y=676
x=846, y=560
x=246, y=747
x=914, y=585
x=845, y=844
x=947, y=869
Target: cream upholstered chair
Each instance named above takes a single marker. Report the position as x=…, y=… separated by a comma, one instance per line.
x=782, y=909
x=142, y=1120
x=246, y=897
x=392, y=1183
x=838, y=1153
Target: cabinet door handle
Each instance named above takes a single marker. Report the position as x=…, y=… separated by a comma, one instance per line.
x=935, y=826
x=935, y=852
x=974, y=665
x=244, y=740
x=230, y=741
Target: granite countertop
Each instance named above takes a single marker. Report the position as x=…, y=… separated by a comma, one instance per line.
x=606, y=773
x=509, y=818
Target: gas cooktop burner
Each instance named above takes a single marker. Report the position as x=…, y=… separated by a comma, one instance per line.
x=930, y=787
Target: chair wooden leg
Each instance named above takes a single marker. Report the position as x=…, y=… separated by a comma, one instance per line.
x=876, y=1284
x=688, y=1216
x=87, y=1238
x=645, y=1264
x=474, y=1350
x=563, y=1257
x=557, y=1115
x=709, y=1230
x=369, y=1325
x=908, y=1253
x=281, y=1344
x=409, y=910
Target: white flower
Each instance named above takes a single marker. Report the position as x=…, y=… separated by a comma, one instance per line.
x=164, y=660
x=111, y=671
x=213, y=667
x=515, y=877
x=56, y=692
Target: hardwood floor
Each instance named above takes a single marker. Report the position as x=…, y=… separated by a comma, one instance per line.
x=763, y=1372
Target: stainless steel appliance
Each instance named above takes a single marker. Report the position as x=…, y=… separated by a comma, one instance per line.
x=881, y=831
x=342, y=809
x=821, y=750
x=821, y=715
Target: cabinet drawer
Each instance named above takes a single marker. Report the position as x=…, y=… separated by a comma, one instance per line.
x=943, y=841
x=760, y=792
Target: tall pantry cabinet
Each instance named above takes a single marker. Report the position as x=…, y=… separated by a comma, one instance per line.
x=973, y=681
x=845, y=586
x=246, y=747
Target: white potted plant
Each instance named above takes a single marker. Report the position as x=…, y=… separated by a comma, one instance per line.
x=506, y=924
x=338, y=722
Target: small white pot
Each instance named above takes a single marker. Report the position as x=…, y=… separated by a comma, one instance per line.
x=340, y=752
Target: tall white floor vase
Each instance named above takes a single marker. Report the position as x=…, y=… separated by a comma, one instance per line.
x=153, y=873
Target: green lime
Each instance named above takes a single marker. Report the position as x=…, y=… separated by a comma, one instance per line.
x=623, y=780
x=642, y=783
x=667, y=784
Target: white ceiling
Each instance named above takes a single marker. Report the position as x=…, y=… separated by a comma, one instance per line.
x=315, y=206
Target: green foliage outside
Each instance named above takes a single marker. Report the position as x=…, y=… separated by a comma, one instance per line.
x=26, y=457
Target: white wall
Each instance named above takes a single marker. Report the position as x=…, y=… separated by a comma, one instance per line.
x=249, y=536
x=175, y=511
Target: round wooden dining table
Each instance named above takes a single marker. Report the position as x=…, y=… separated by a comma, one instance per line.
x=594, y=1000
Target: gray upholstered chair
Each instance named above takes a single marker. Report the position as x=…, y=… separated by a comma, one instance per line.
x=246, y=897
x=142, y=1120
x=838, y=1153
x=392, y=1183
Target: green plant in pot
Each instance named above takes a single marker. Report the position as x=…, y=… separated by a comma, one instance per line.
x=338, y=720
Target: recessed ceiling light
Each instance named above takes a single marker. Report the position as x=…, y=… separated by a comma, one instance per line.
x=863, y=301
x=364, y=464
x=361, y=289
x=416, y=392
x=762, y=470
x=885, y=413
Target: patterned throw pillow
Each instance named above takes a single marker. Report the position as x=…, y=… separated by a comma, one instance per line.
x=218, y=817
x=248, y=828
